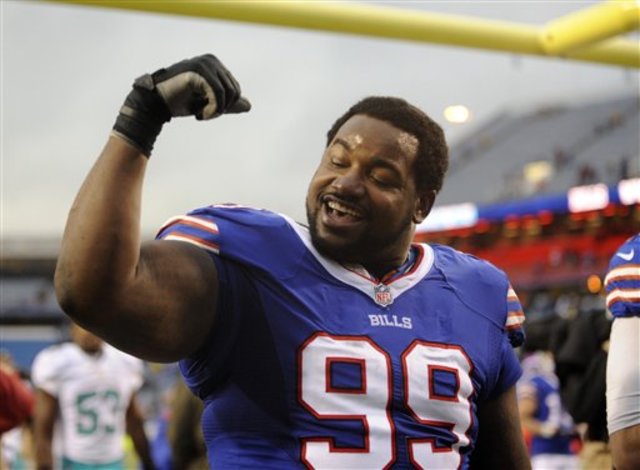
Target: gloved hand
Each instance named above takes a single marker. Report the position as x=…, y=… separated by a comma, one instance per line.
x=201, y=86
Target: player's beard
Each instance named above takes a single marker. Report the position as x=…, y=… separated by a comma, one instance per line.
x=359, y=250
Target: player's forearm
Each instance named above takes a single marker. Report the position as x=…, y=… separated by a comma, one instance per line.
x=100, y=248
x=625, y=448
x=144, y=454
x=140, y=443
x=538, y=428
x=527, y=407
x=43, y=423
x=43, y=452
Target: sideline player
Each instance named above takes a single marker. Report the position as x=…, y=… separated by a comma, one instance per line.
x=551, y=428
x=89, y=389
x=341, y=345
x=623, y=363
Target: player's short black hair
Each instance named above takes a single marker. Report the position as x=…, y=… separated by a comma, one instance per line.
x=432, y=159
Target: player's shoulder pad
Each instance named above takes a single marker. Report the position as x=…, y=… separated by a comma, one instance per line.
x=482, y=287
x=52, y=361
x=627, y=254
x=254, y=237
x=622, y=281
x=465, y=269
x=131, y=363
x=130, y=367
x=58, y=352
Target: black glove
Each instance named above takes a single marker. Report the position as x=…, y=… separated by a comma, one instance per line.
x=200, y=86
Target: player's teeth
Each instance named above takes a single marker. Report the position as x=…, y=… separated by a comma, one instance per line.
x=336, y=206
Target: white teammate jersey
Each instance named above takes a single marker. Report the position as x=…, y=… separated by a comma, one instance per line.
x=93, y=395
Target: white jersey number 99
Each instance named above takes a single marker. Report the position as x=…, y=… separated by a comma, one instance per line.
x=370, y=400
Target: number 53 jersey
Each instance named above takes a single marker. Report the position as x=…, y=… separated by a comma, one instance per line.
x=318, y=365
x=93, y=394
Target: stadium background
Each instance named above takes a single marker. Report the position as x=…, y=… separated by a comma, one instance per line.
x=545, y=191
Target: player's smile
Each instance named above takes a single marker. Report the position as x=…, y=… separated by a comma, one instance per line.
x=338, y=214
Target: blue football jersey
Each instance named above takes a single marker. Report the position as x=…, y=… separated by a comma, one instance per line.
x=623, y=280
x=318, y=365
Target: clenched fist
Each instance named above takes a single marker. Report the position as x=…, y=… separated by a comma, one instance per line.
x=201, y=87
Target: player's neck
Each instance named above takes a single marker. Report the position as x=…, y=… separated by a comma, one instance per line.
x=389, y=269
x=91, y=351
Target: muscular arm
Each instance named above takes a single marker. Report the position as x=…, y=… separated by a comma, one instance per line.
x=500, y=441
x=135, y=429
x=44, y=419
x=156, y=302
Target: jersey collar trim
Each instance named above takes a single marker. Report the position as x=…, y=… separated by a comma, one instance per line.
x=397, y=286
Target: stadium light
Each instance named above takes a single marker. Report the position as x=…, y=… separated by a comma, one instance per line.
x=457, y=114
x=594, y=284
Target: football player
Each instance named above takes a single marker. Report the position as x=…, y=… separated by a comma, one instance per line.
x=85, y=391
x=341, y=344
x=623, y=370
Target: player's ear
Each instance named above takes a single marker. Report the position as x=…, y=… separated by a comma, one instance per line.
x=423, y=205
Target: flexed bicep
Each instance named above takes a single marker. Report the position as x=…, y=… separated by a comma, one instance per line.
x=168, y=309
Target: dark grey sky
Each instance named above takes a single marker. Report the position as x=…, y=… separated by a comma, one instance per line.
x=67, y=69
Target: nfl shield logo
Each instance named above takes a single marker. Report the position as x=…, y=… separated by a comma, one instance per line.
x=382, y=295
